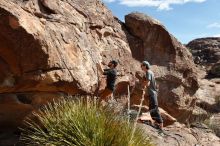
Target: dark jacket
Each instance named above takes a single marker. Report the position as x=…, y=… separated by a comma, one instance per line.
x=111, y=78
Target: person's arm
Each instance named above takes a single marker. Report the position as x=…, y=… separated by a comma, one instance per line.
x=106, y=71
x=146, y=81
x=99, y=67
x=103, y=71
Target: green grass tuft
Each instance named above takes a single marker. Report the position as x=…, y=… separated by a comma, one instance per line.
x=74, y=123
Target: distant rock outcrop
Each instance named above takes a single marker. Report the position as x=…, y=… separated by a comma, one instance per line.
x=206, y=52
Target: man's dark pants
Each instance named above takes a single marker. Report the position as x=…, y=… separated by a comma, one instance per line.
x=153, y=107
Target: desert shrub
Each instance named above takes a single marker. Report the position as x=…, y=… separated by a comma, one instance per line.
x=77, y=123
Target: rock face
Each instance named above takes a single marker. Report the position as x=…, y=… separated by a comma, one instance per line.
x=207, y=102
x=207, y=95
x=206, y=51
x=215, y=70
x=51, y=48
x=168, y=119
x=214, y=123
x=180, y=135
x=206, y=54
x=171, y=62
x=55, y=45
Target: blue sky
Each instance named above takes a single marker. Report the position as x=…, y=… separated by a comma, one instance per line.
x=185, y=19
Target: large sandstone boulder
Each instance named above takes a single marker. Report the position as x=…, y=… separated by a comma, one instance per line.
x=171, y=62
x=50, y=48
x=53, y=46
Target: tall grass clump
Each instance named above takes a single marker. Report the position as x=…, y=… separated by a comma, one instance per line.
x=77, y=123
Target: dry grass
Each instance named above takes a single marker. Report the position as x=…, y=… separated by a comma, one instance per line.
x=75, y=123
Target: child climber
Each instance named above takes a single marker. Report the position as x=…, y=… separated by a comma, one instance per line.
x=111, y=75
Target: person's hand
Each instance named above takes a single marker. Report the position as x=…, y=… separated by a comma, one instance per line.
x=99, y=67
x=144, y=84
